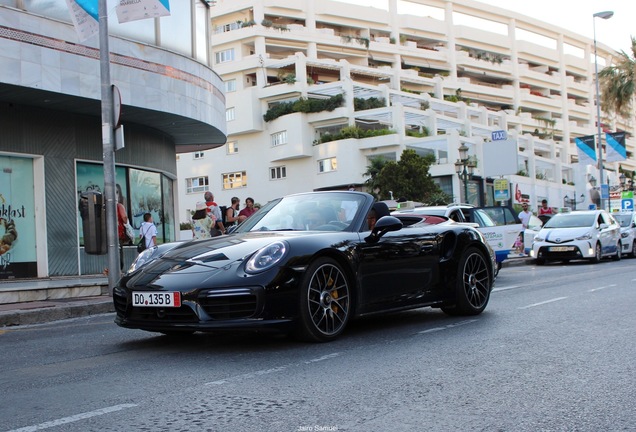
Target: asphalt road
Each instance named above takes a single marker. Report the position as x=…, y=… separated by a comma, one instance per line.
x=554, y=351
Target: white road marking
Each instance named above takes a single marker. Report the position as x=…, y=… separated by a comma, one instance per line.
x=504, y=288
x=74, y=418
x=272, y=370
x=600, y=288
x=326, y=357
x=450, y=326
x=543, y=302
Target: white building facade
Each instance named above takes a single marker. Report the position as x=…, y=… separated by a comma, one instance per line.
x=316, y=89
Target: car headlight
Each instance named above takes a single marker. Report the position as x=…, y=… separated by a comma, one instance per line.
x=266, y=257
x=586, y=236
x=143, y=258
x=624, y=234
x=538, y=238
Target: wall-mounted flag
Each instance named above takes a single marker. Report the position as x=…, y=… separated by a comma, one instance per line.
x=585, y=147
x=85, y=17
x=128, y=10
x=615, y=146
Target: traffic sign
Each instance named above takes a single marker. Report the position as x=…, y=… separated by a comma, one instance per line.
x=499, y=135
x=627, y=204
x=605, y=191
x=502, y=189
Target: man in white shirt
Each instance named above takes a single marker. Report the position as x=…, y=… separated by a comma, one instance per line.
x=524, y=217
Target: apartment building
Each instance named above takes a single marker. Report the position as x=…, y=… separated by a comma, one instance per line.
x=316, y=89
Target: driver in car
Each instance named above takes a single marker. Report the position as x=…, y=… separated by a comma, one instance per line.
x=314, y=219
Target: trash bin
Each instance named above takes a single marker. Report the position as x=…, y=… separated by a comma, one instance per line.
x=93, y=212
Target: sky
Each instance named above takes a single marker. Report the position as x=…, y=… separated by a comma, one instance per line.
x=573, y=15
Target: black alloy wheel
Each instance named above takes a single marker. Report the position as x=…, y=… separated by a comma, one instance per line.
x=472, y=284
x=325, y=302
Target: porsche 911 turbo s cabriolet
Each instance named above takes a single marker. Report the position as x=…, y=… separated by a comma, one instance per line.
x=307, y=264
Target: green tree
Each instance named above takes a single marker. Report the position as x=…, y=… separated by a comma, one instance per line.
x=617, y=83
x=409, y=178
x=373, y=169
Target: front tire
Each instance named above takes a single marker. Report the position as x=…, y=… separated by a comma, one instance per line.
x=325, y=302
x=633, y=253
x=597, y=254
x=619, y=252
x=472, y=284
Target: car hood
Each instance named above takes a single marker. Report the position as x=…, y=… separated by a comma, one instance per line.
x=218, y=252
x=564, y=234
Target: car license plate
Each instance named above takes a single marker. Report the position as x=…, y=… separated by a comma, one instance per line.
x=559, y=248
x=156, y=299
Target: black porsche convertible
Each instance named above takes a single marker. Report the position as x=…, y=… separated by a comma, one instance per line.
x=306, y=264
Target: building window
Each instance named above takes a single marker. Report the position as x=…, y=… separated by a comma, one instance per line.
x=197, y=184
x=230, y=86
x=224, y=56
x=235, y=180
x=277, y=173
x=279, y=138
x=229, y=114
x=326, y=165
x=199, y=155
x=232, y=147
x=226, y=27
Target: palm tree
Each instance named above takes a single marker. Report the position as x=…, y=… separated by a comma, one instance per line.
x=373, y=169
x=618, y=82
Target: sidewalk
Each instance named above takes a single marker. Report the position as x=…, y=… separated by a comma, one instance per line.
x=43, y=300
x=53, y=309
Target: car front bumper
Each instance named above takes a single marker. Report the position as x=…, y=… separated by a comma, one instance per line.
x=580, y=249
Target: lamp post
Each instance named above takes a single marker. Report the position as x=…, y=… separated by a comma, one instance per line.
x=595, y=195
x=603, y=15
x=567, y=201
x=625, y=184
x=464, y=168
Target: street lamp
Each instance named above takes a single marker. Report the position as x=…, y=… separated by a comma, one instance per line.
x=567, y=201
x=595, y=195
x=603, y=15
x=625, y=184
x=464, y=168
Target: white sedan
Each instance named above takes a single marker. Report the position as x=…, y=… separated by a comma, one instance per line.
x=627, y=222
x=587, y=234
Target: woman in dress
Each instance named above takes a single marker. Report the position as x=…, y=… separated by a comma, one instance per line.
x=202, y=222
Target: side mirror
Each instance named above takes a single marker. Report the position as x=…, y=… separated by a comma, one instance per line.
x=603, y=226
x=383, y=226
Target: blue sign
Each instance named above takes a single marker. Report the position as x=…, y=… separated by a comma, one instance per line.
x=627, y=204
x=591, y=207
x=499, y=135
x=604, y=191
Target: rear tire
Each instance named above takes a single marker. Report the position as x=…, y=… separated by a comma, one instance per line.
x=539, y=261
x=619, y=252
x=473, y=283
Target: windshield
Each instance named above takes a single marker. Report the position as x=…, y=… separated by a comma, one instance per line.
x=328, y=211
x=624, y=220
x=571, y=220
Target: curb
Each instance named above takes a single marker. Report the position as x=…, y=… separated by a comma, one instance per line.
x=56, y=311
